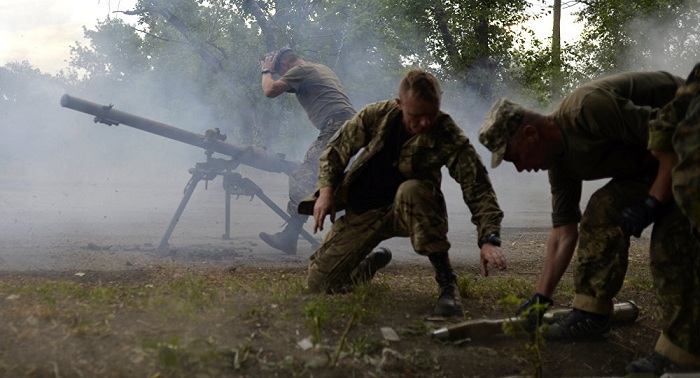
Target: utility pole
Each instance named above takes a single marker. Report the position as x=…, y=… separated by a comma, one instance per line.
x=556, y=49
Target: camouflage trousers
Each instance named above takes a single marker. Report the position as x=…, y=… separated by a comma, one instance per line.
x=674, y=259
x=675, y=254
x=302, y=181
x=675, y=266
x=603, y=249
x=418, y=212
x=686, y=175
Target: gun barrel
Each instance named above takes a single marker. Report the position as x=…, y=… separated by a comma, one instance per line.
x=252, y=156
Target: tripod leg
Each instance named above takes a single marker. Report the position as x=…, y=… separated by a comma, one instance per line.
x=189, y=189
x=227, y=217
x=263, y=197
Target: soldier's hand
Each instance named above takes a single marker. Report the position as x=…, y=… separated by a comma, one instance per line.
x=491, y=254
x=636, y=217
x=268, y=63
x=325, y=205
x=534, y=308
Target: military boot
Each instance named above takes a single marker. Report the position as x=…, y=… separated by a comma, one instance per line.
x=370, y=265
x=286, y=240
x=448, y=303
x=578, y=324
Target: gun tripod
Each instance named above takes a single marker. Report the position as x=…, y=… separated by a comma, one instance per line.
x=234, y=184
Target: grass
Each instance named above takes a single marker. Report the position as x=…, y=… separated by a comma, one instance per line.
x=248, y=322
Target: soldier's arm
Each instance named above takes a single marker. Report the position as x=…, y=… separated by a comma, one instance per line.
x=468, y=170
x=566, y=215
x=560, y=248
x=480, y=197
x=271, y=87
x=661, y=130
x=661, y=188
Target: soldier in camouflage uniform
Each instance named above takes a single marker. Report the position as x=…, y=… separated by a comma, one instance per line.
x=674, y=139
x=681, y=123
x=393, y=189
x=322, y=96
x=598, y=131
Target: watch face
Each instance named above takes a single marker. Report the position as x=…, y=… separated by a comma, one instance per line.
x=492, y=238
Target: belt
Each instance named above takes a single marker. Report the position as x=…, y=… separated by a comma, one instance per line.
x=340, y=117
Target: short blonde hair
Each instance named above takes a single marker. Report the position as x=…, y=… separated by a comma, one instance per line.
x=423, y=84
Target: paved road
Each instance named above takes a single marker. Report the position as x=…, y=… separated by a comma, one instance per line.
x=111, y=221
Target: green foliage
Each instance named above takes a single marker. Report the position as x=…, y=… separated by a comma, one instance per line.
x=317, y=313
x=640, y=35
x=211, y=51
x=476, y=287
x=182, y=357
x=532, y=347
x=184, y=295
x=364, y=346
x=199, y=60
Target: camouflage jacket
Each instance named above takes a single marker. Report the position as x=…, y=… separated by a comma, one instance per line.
x=422, y=157
x=662, y=128
x=677, y=129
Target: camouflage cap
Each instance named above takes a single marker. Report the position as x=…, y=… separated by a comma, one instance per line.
x=500, y=124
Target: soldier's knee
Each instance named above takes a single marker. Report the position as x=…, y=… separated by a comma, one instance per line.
x=414, y=187
x=316, y=282
x=417, y=191
x=600, y=206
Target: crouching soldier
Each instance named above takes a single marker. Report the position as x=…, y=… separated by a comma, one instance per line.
x=393, y=189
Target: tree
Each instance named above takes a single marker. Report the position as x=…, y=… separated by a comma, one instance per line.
x=470, y=41
x=640, y=35
x=211, y=51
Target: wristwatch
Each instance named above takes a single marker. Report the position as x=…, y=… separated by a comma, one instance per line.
x=492, y=238
x=265, y=70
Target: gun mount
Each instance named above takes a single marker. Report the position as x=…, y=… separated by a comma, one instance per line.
x=212, y=142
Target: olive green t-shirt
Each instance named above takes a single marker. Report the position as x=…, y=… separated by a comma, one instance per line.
x=320, y=93
x=604, y=126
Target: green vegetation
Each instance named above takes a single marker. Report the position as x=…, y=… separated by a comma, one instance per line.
x=199, y=61
x=249, y=322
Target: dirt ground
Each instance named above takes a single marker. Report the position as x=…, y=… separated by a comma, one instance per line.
x=79, y=261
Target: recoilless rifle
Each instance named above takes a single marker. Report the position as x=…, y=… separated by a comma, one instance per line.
x=212, y=142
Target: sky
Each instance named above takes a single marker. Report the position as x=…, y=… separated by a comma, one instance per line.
x=42, y=31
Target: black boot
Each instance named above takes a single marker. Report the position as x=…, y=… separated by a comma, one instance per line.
x=448, y=302
x=370, y=265
x=286, y=240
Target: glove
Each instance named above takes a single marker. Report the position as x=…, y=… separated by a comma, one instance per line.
x=535, y=314
x=636, y=217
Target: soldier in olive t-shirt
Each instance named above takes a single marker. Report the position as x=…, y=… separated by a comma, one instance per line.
x=322, y=96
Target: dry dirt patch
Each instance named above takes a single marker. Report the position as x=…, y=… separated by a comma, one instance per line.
x=85, y=292
x=177, y=316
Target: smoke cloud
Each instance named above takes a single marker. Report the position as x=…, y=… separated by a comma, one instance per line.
x=60, y=171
